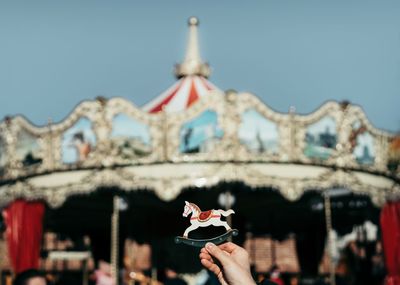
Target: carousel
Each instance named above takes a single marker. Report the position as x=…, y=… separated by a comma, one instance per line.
x=112, y=170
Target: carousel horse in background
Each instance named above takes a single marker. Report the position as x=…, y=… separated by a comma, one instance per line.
x=204, y=219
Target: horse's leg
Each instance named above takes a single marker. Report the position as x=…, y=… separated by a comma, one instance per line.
x=189, y=229
x=227, y=227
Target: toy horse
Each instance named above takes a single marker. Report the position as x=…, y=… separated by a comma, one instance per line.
x=205, y=219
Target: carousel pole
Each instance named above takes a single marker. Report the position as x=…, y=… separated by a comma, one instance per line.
x=228, y=204
x=227, y=207
x=114, y=240
x=328, y=222
x=226, y=200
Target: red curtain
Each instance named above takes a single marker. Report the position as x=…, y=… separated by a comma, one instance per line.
x=24, y=233
x=390, y=224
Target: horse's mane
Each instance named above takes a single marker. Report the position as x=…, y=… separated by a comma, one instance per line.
x=195, y=206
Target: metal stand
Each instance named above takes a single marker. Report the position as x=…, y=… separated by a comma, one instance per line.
x=328, y=222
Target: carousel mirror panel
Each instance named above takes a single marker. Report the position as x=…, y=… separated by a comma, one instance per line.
x=27, y=150
x=258, y=134
x=362, y=144
x=201, y=134
x=130, y=138
x=3, y=156
x=321, y=138
x=78, y=142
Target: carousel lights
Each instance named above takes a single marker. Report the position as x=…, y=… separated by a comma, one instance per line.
x=122, y=204
x=226, y=199
x=200, y=182
x=338, y=192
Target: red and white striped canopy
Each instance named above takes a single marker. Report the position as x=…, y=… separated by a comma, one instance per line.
x=181, y=95
x=192, y=83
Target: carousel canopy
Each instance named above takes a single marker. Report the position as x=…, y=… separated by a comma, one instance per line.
x=224, y=137
x=192, y=84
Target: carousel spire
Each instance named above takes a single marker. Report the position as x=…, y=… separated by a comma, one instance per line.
x=192, y=64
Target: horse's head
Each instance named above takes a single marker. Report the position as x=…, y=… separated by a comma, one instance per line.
x=187, y=210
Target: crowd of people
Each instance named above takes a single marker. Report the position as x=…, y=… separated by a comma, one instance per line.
x=230, y=264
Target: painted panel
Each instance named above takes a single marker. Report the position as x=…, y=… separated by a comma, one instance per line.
x=200, y=134
x=321, y=138
x=27, y=149
x=130, y=138
x=78, y=142
x=258, y=134
x=362, y=144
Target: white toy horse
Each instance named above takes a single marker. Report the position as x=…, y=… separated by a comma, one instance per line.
x=204, y=219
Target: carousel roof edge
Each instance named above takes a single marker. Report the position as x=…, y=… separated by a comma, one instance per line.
x=317, y=111
x=100, y=104
x=169, y=180
x=90, y=106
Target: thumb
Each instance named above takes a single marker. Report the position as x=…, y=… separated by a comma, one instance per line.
x=216, y=252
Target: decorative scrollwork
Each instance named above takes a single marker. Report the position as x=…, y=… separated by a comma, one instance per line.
x=152, y=155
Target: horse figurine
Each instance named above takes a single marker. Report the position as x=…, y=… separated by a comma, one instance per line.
x=204, y=219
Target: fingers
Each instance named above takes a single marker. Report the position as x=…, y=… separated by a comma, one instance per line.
x=228, y=247
x=205, y=255
x=214, y=269
x=219, y=254
x=211, y=266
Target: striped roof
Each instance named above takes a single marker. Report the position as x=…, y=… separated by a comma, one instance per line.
x=192, y=83
x=181, y=95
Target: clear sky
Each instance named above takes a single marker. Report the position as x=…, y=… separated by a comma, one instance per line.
x=54, y=54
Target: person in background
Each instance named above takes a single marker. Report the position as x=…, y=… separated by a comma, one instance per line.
x=378, y=270
x=172, y=278
x=260, y=277
x=30, y=277
x=275, y=275
x=103, y=274
x=231, y=265
x=294, y=280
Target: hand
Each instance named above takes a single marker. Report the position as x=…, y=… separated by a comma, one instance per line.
x=234, y=260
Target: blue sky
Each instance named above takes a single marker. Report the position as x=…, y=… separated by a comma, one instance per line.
x=54, y=54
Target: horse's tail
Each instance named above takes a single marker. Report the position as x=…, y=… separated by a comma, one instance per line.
x=225, y=213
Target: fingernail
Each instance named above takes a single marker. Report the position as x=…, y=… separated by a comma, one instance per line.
x=209, y=245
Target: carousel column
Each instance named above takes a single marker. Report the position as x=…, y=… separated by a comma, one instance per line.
x=328, y=222
x=114, y=240
x=119, y=204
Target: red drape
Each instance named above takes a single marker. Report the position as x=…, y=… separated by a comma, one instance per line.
x=390, y=224
x=24, y=233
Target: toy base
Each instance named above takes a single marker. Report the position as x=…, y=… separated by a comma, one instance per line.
x=202, y=242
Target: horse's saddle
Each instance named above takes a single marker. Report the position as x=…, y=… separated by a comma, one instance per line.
x=204, y=216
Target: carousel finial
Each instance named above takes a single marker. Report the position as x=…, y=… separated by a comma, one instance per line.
x=193, y=21
x=192, y=64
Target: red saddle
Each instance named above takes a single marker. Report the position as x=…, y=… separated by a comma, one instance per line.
x=204, y=216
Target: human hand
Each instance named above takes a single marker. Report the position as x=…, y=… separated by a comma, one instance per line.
x=234, y=268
